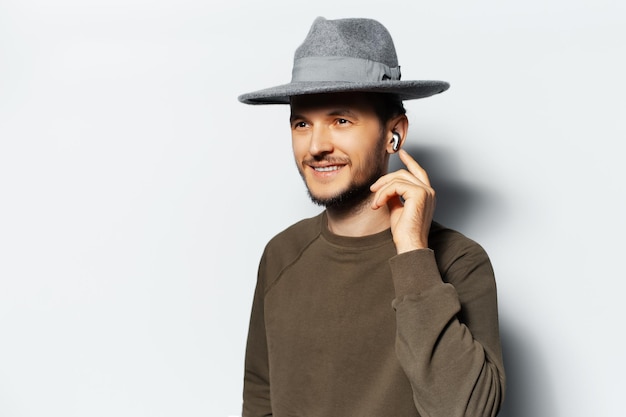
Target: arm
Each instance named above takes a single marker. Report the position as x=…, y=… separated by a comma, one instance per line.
x=446, y=310
x=447, y=337
x=256, y=384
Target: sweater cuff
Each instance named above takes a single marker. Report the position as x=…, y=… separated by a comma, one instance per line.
x=414, y=272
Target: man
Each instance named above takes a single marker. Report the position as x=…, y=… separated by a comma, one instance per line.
x=370, y=308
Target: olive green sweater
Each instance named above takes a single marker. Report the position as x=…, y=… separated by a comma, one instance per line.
x=343, y=326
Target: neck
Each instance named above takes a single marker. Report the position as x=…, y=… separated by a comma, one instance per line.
x=361, y=220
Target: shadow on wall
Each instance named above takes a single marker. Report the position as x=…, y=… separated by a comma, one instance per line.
x=459, y=204
x=463, y=206
x=528, y=391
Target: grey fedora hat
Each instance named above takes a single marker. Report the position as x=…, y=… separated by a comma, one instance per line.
x=345, y=55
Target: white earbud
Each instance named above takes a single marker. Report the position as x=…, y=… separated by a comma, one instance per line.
x=395, y=139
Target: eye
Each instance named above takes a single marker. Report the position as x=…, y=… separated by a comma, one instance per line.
x=343, y=121
x=299, y=125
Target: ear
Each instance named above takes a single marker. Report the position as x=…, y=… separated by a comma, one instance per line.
x=399, y=124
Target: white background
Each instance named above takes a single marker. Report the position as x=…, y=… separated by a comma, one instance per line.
x=136, y=193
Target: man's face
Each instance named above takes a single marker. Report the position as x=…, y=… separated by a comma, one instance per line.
x=338, y=146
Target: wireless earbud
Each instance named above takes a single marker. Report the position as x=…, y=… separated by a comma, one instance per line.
x=395, y=139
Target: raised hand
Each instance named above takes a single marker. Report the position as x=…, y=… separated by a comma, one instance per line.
x=411, y=202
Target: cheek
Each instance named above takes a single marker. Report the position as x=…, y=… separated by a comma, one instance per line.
x=295, y=143
x=369, y=149
x=300, y=152
x=296, y=147
x=374, y=160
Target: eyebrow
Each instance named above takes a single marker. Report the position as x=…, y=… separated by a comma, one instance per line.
x=335, y=112
x=294, y=117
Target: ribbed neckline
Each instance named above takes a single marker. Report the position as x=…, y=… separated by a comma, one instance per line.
x=361, y=242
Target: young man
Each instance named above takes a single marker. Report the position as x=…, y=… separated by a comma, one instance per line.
x=370, y=308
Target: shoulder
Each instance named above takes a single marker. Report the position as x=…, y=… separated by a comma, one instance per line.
x=296, y=236
x=442, y=237
x=456, y=254
x=287, y=246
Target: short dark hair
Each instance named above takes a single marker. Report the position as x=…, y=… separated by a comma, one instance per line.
x=387, y=106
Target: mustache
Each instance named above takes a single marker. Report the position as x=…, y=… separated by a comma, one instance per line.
x=331, y=160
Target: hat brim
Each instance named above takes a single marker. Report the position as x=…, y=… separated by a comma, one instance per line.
x=405, y=90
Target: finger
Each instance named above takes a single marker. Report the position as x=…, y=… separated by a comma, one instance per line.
x=413, y=167
x=382, y=181
x=383, y=194
x=401, y=175
x=404, y=189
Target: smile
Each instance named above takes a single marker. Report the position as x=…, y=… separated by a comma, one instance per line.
x=327, y=169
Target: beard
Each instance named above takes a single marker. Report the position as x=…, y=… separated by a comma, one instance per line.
x=358, y=191
x=354, y=196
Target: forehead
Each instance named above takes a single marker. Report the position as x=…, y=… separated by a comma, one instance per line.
x=356, y=102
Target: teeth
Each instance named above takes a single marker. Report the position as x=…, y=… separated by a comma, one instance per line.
x=327, y=169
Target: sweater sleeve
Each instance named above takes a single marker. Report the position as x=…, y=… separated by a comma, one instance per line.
x=447, y=337
x=256, y=384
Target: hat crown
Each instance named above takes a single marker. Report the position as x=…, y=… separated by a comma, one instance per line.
x=345, y=55
x=354, y=38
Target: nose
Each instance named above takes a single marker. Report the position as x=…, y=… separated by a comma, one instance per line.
x=320, y=142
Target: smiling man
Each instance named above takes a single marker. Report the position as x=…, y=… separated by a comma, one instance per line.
x=347, y=121
x=370, y=308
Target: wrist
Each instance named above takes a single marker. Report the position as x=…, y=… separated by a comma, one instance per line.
x=410, y=245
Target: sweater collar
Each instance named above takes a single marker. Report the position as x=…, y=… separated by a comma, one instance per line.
x=360, y=242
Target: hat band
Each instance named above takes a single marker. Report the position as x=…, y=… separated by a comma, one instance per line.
x=339, y=68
